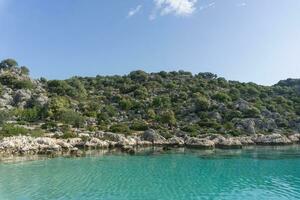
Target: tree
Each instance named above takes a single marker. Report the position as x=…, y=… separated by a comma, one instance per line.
x=24, y=70
x=138, y=76
x=168, y=117
x=222, y=97
x=72, y=118
x=8, y=63
x=202, y=103
x=252, y=112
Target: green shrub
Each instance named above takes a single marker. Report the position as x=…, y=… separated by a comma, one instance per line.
x=126, y=104
x=120, y=128
x=68, y=134
x=12, y=130
x=252, y=112
x=24, y=70
x=191, y=128
x=139, y=126
x=4, y=116
x=8, y=63
x=222, y=97
x=72, y=118
x=29, y=115
x=202, y=103
x=168, y=117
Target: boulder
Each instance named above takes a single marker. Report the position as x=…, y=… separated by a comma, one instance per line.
x=87, y=135
x=64, y=144
x=246, y=140
x=151, y=136
x=247, y=126
x=95, y=142
x=129, y=141
x=199, y=143
x=144, y=143
x=21, y=97
x=295, y=138
x=175, y=141
x=112, y=137
x=45, y=141
x=229, y=143
x=76, y=142
x=272, y=139
x=241, y=105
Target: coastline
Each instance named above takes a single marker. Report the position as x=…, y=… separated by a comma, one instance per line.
x=26, y=145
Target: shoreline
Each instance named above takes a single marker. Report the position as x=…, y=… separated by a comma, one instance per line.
x=153, y=151
x=26, y=145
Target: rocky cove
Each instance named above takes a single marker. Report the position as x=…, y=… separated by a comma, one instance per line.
x=27, y=145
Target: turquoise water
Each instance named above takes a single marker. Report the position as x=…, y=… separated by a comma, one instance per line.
x=259, y=173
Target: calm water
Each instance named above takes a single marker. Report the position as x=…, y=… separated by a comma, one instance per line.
x=260, y=173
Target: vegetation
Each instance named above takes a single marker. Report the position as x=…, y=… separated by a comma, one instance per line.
x=166, y=101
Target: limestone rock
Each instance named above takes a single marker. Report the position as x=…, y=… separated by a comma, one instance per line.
x=295, y=138
x=273, y=139
x=151, y=136
x=199, y=143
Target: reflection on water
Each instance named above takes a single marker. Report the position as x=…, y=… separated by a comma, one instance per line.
x=248, y=152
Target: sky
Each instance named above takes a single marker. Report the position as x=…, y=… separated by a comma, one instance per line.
x=245, y=40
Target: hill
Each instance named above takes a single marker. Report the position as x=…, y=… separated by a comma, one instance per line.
x=168, y=102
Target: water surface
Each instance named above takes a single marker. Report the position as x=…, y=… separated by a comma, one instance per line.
x=256, y=173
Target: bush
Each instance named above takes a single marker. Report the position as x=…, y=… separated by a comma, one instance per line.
x=12, y=130
x=125, y=104
x=202, y=103
x=151, y=114
x=252, y=113
x=29, y=115
x=8, y=63
x=168, y=117
x=23, y=84
x=191, y=128
x=14, y=83
x=139, y=126
x=120, y=128
x=222, y=97
x=139, y=76
x=24, y=70
x=4, y=116
x=72, y=118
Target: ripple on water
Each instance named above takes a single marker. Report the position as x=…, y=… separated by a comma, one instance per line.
x=260, y=173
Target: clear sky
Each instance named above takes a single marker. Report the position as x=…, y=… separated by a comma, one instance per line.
x=245, y=40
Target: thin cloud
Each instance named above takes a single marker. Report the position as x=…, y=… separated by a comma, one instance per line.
x=175, y=7
x=241, y=4
x=207, y=6
x=134, y=11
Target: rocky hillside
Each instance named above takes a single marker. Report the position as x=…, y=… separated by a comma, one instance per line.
x=168, y=102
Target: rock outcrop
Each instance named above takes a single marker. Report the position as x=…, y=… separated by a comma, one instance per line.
x=21, y=145
x=272, y=139
x=152, y=136
x=202, y=143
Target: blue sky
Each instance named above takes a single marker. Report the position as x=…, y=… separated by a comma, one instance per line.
x=245, y=40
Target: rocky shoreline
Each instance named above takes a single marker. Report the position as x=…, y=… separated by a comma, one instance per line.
x=26, y=145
